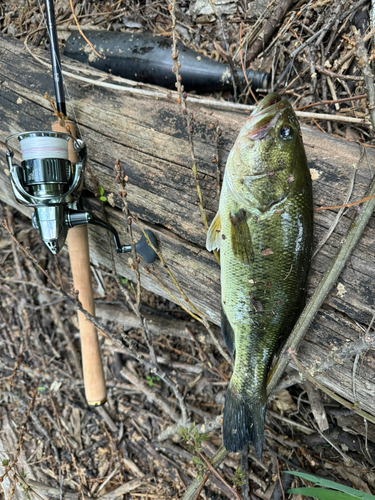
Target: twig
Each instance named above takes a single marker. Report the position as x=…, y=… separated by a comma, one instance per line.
x=80, y=31
x=338, y=216
x=68, y=340
x=366, y=198
x=225, y=55
x=345, y=457
x=216, y=342
x=295, y=52
x=355, y=364
x=195, y=486
x=339, y=76
x=255, y=29
x=173, y=297
x=122, y=490
x=279, y=478
x=16, y=365
x=242, y=65
x=204, y=356
x=122, y=179
x=368, y=75
x=215, y=159
x=235, y=79
x=204, y=480
x=181, y=99
x=332, y=118
x=346, y=99
x=214, y=471
x=167, y=268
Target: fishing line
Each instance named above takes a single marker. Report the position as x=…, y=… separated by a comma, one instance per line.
x=34, y=148
x=60, y=68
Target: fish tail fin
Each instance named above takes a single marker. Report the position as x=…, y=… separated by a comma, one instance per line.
x=243, y=421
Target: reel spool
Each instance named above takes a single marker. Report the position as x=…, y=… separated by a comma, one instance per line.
x=49, y=182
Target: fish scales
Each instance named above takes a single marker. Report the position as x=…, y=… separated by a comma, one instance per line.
x=264, y=232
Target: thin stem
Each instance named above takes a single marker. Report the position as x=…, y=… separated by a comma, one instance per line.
x=214, y=471
x=195, y=486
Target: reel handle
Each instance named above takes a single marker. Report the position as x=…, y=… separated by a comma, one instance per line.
x=77, y=240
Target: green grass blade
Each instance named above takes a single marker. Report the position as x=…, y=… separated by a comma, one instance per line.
x=331, y=484
x=322, y=494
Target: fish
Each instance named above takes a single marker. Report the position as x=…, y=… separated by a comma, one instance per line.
x=264, y=232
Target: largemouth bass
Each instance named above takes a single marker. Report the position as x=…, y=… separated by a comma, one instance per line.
x=264, y=230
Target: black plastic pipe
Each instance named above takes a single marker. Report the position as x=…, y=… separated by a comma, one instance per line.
x=148, y=59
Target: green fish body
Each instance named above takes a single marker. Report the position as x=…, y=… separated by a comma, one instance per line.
x=264, y=230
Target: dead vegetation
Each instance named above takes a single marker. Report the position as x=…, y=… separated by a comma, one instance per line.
x=51, y=443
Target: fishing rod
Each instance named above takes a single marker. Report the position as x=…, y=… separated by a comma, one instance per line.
x=50, y=179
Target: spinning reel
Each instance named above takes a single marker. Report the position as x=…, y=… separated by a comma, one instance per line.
x=49, y=182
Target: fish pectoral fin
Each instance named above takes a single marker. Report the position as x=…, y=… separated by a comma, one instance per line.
x=240, y=237
x=214, y=234
x=227, y=331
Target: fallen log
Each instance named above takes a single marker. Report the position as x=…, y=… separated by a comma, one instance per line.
x=144, y=129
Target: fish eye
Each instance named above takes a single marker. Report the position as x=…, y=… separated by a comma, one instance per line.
x=286, y=132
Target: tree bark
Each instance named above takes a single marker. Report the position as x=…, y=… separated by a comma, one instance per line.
x=146, y=133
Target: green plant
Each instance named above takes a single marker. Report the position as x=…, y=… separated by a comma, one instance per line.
x=336, y=491
x=101, y=193
x=238, y=477
x=192, y=438
x=151, y=379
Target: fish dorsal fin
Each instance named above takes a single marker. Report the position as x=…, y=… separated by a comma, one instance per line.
x=240, y=237
x=214, y=233
x=227, y=331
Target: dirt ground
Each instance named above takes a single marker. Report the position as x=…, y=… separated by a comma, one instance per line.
x=52, y=445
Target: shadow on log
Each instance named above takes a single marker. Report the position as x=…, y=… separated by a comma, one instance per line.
x=145, y=131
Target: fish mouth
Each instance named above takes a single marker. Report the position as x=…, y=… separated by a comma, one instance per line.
x=265, y=115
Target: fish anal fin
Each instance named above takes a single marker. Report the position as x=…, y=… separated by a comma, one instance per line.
x=240, y=237
x=243, y=421
x=214, y=234
x=227, y=331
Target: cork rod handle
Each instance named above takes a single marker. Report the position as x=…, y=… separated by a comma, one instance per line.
x=77, y=240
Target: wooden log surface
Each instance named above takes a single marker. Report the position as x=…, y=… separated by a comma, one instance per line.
x=146, y=133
